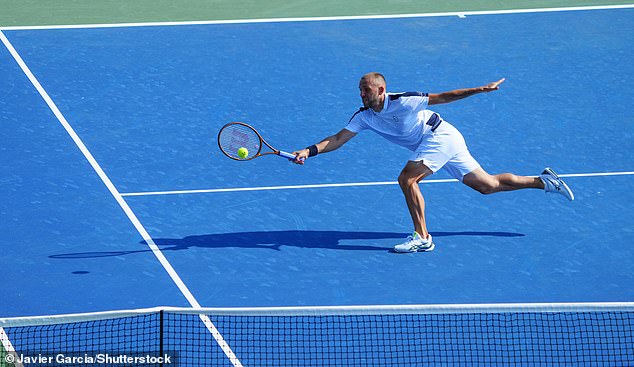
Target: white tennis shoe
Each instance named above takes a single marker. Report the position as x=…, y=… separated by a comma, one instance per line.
x=415, y=243
x=552, y=183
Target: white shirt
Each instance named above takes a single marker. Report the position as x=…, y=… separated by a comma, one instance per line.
x=401, y=121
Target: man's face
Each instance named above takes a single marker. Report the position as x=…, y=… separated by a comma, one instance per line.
x=370, y=94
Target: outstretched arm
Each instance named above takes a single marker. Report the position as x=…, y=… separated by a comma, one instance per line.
x=454, y=95
x=326, y=145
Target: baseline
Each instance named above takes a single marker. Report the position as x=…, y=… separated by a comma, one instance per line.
x=459, y=14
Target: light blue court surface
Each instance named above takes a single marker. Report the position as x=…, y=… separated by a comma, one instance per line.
x=149, y=101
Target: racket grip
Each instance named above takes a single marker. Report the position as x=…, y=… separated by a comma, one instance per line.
x=289, y=156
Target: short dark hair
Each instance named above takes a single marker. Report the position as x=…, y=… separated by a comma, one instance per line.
x=375, y=77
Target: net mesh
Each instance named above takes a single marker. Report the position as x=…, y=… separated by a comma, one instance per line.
x=450, y=339
x=235, y=136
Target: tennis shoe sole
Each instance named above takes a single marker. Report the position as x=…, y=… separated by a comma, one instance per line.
x=423, y=247
x=555, y=184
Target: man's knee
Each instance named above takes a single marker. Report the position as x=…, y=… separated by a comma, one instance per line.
x=405, y=179
x=486, y=188
x=482, y=182
x=413, y=173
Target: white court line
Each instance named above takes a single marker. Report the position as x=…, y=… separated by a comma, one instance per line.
x=460, y=14
x=119, y=198
x=347, y=184
x=9, y=350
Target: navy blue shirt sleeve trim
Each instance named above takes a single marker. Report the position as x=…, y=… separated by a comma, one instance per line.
x=407, y=94
x=356, y=113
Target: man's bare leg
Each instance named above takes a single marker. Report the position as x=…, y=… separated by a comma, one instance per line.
x=408, y=180
x=485, y=183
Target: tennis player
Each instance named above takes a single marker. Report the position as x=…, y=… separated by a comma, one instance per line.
x=403, y=118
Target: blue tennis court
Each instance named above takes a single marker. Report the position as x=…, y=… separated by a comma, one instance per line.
x=148, y=101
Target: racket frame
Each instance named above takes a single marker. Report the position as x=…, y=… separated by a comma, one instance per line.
x=287, y=155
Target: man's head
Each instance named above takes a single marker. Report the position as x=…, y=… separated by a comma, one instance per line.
x=372, y=88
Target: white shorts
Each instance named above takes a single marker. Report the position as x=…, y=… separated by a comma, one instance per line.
x=445, y=148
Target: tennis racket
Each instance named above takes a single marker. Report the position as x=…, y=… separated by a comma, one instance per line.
x=237, y=135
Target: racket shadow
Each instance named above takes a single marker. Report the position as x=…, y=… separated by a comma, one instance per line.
x=275, y=240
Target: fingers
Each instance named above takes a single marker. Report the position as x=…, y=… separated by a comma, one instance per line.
x=494, y=86
x=300, y=156
x=499, y=82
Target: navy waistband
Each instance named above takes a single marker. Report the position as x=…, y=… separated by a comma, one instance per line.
x=434, y=121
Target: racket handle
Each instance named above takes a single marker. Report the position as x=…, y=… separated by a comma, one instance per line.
x=289, y=156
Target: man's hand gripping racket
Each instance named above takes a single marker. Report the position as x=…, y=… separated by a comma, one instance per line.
x=242, y=142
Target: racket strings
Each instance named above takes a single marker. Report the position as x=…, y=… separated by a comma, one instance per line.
x=236, y=136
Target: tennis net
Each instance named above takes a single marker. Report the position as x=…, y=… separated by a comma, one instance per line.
x=571, y=334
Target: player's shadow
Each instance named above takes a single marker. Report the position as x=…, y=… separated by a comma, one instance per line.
x=275, y=240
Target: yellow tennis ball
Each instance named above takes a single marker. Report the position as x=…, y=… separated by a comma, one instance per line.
x=243, y=152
